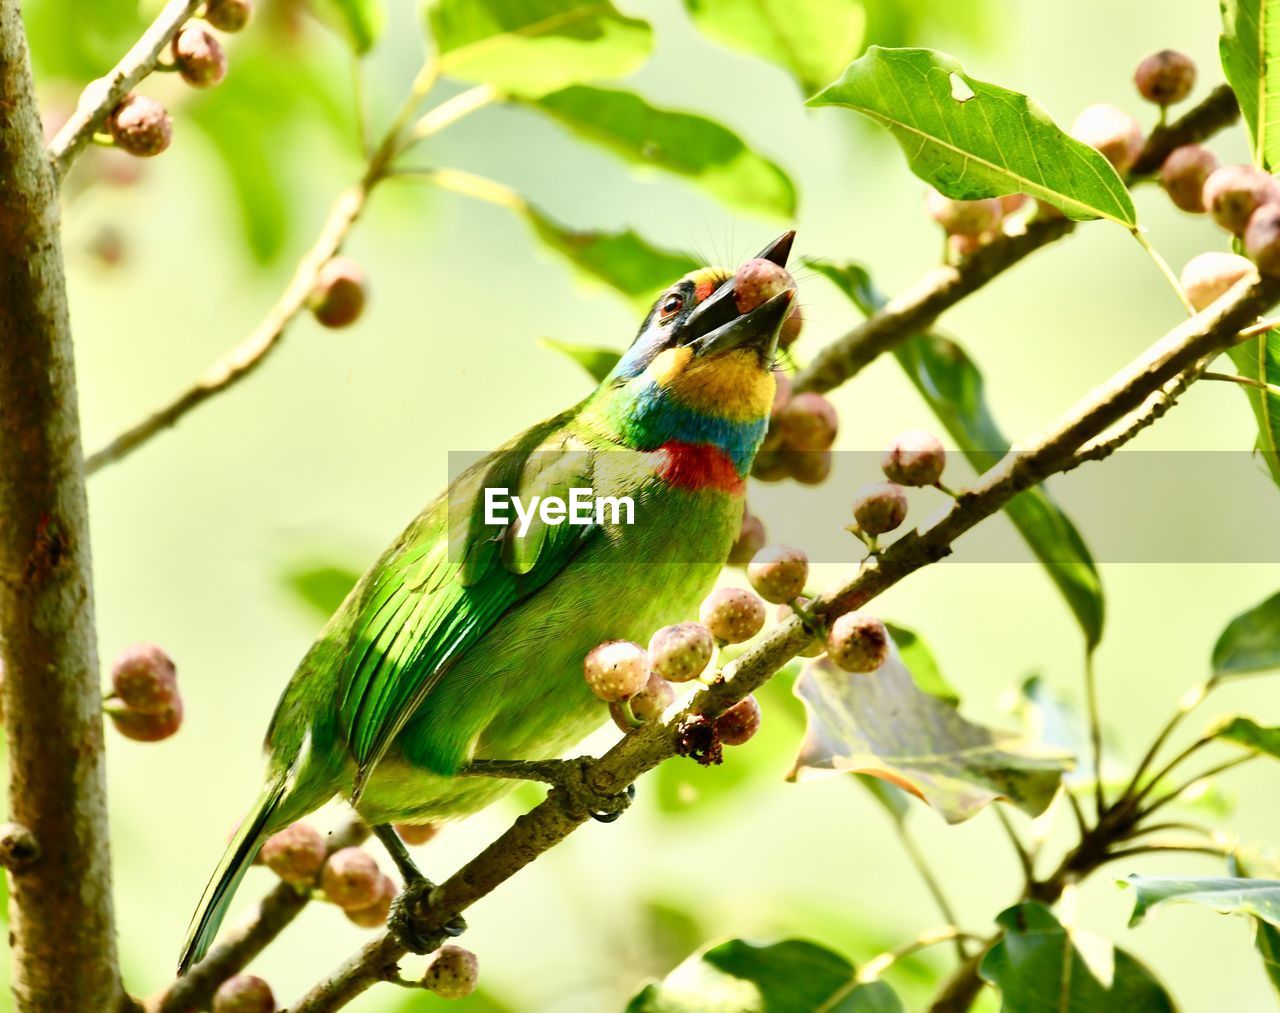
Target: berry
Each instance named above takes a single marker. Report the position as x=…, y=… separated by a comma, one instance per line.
x=375, y=915
x=880, y=508
x=732, y=614
x=1116, y=134
x=144, y=678
x=681, y=652
x=616, y=670
x=858, y=642
x=647, y=705
x=1233, y=192
x=808, y=422
x=1165, y=77
x=1011, y=203
x=295, y=854
x=1208, y=276
x=959, y=247
x=915, y=458
x=758, y=281
x=452, y=973
x=781, y=392
x=750, y=540
x=785, y=612
x=778, y=572
x=1184, y=173
x=741, y=721
x=338, y=296
x=416, y=833
x=1262, y=239
x=140, y=126
x=963, y=217
x=791, y=327
x=244, y=993
x=199, y=56
x=350, y=878
x=809, y=467
x=148, y=726
x=771, y=466
x=228, y=15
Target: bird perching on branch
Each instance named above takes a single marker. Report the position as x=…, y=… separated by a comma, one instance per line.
x=460, y=652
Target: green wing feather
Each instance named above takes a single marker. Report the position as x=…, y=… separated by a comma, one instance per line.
x=448, y=579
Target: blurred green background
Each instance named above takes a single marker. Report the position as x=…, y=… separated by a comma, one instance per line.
x=325, y=453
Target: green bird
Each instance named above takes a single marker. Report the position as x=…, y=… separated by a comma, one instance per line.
x=461, y=649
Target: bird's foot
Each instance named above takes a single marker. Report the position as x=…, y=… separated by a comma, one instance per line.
x=410, y=923
x=571, y=785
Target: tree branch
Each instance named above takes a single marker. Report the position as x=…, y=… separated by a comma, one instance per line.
x=550, y=822
x=62, y=928
x=919, y=307
x=236, y=949
x=104, y=94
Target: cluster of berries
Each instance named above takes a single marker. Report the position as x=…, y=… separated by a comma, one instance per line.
x=144, y=703
x=969, y=224
x=141, y=125
x=915, y=458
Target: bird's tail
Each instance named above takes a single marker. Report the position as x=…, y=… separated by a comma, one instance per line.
x=226, y=878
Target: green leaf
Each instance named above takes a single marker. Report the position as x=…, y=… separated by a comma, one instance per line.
x=320, y=586
x=953, y=387
x=743, y=977
x=1246, y=732
x=1229, y=895
x=1267, y=940
x=359, y=22
x=1038, y=965
x=884, y=725
x=1250, y=51
x=1259, y=359
x=1251, y=641
x=598, y=362
x=810, y=39
x=622, y=260
x=532, y=47
x=921, y=663
x=990, y=143
x=688, y=145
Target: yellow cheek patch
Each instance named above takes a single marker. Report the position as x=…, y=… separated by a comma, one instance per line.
x=732, y=385
x=668, y=364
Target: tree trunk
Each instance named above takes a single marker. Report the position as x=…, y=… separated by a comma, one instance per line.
x=61, y=923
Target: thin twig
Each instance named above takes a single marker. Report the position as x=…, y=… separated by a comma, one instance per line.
x=104, y=94
x=1189, y=702
x=876, y=966
x=1218, y=110
x=1156, y=849
x=931, y=882
x=1175, y=793
x=551, y=821
x=1095, y=729
x=1024, y=856
x=1244, y=381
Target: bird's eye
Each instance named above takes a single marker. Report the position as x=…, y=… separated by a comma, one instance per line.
x=671, y=305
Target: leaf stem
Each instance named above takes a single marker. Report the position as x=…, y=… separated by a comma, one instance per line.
x=450, y=111
x=1244, y=381
x=876, y=966
x=1170, y=796
x=1165, y=269
x=468, y=184
x=927, y=875
x=1190, y=700
x=1095, y=730
x=1024, y=856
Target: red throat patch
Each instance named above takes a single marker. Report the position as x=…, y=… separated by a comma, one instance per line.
x=697, y=466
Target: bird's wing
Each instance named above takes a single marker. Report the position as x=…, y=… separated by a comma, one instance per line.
x=449, y=579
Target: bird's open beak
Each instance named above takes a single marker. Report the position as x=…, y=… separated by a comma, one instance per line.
x=717, y=326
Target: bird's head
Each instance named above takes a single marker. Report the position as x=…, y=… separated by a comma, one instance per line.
x=700, y=370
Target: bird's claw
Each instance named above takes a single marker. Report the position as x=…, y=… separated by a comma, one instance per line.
x=576, y=795
x=410, y=925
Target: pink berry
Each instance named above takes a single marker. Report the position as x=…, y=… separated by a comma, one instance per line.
x=616, y=670
x=808, y=422
x=915, y=458
x=809, y=467
x=1208, y=276
x=1233, y=193
x=140, y=126
x=1113, y=132
x=732, y=614
x=758, y=281
x=374, y=915
x=350, y=878
x=647, y=705
x=295, y=854
x=144, y=678
x=199, y=56
x=1183, y=176
x=1165, y=77
x=858, y=642
x=739, y=723
x=337, y=299
x=244, y=993
x=452, y=973
x=1262, y=239
x=791, y=327
x=681, y=652
x=1011, y=203
x=750, y=540
x=228, y=15
x=963, y=217
x=778, y=572
x=148, y=726
x=414, y=834
x=880, y=507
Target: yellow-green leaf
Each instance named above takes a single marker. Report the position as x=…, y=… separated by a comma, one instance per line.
x=1259, y=359
x=1250, y=50
x=972, y=139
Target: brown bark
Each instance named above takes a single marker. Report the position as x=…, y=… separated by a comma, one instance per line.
x=61, y=921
